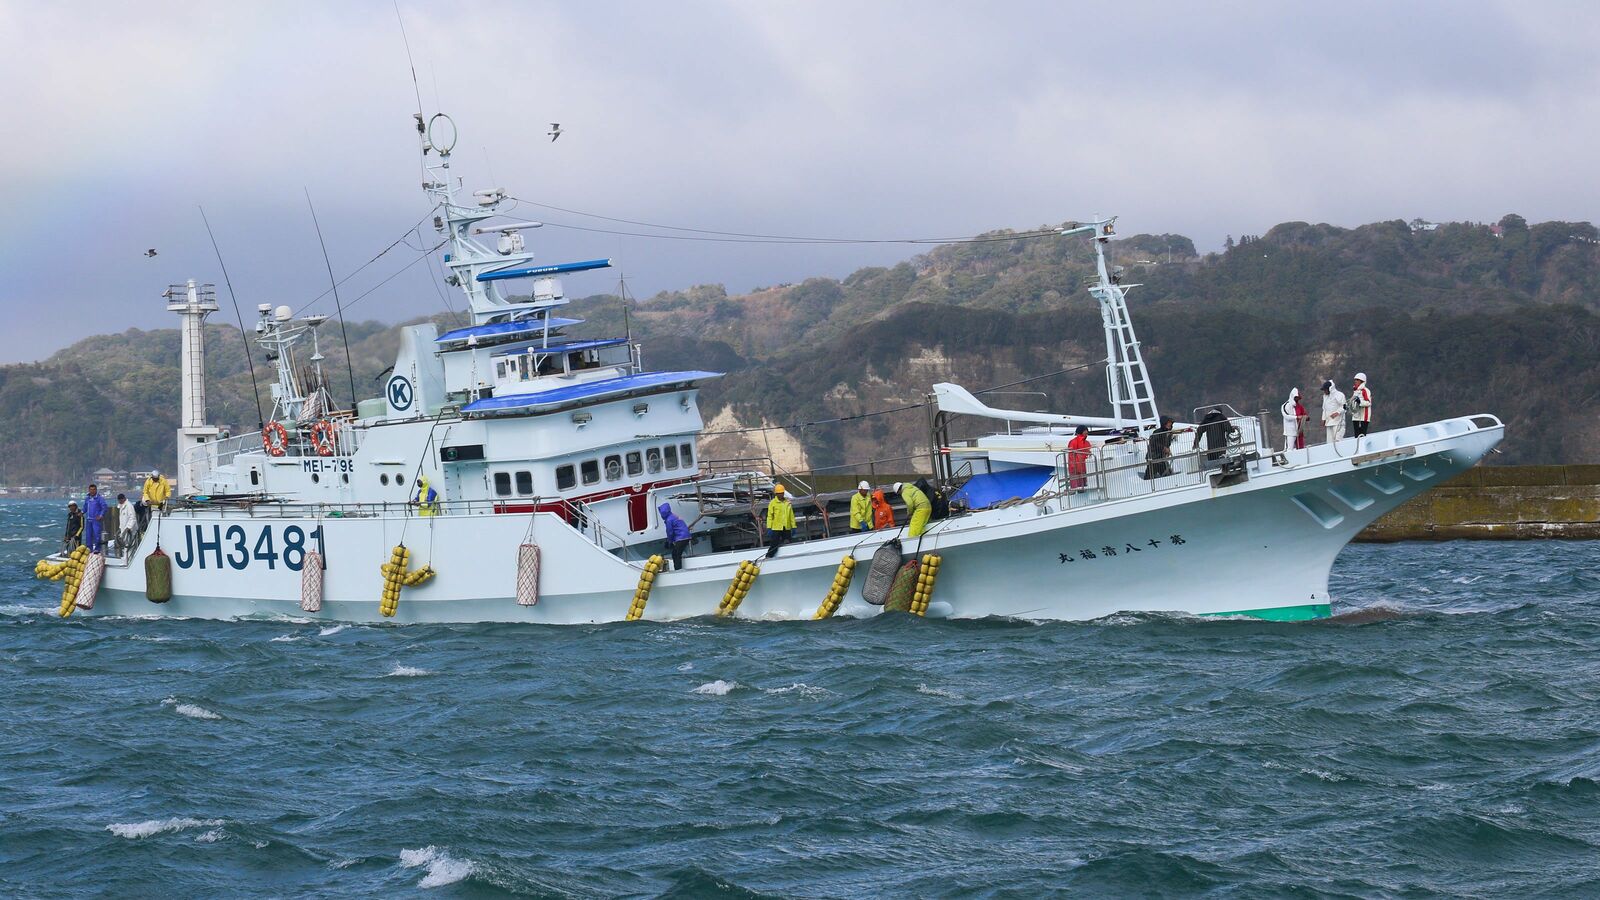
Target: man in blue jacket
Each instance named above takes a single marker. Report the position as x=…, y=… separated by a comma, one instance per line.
x=677, y=534
x=94, y=512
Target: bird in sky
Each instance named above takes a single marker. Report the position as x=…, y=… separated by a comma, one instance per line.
x=151, y=252
x=554, y=132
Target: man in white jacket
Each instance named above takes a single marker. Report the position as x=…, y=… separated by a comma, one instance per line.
x=1332, y=411
x=1360, y=406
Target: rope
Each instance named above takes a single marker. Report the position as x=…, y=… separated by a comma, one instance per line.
x=381, y=253
x=740, y=237
x=897, y=409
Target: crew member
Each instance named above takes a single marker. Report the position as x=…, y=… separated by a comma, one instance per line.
x=1332, y=411
x=1360, y=406
x=155, y=496
x=74, y=534
x=780, y=521
x=861, y=508
x=427, y=500
x=94, y=512
x=1159, y=455
x=882, y=512
x=918, y=506
x=677, y=534
x=127, y=523
x=1294, y=422
x=1078, y=459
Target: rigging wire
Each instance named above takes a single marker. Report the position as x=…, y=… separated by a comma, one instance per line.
x=255, y=389
x=739, y=237
x=343, y=335
x=419, y=258
x=306, y=306
x=896, y=409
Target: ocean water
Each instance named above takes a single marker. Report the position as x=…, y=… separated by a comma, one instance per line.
x=1439, y=737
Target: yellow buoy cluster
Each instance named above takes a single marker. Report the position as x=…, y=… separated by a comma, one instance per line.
x=641, y=594
x=841, y=583
x=926, y=573
x=70, y=569
x=395, y=577
x=742, y=580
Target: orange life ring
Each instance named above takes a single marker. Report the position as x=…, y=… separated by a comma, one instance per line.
x=323, y=438
x=275, y=439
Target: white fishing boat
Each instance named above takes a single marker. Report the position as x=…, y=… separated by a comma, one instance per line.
x=549, y=455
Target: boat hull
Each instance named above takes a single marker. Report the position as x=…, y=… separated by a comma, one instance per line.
x=1262, y=548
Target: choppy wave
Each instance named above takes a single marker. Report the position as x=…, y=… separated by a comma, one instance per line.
x=442, y=868
x=1420, y=742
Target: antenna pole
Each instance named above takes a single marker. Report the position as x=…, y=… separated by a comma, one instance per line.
x=255, y=389
x=343, y=335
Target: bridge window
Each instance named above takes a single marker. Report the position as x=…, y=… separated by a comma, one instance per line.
x=502, y=484
x=566, y=478
x=672, y=457
x=686, y=451
x=255, y=477
x=652, y=460
x=613, y=468
x=591, y=471
x=635, y=463
x=525, y=483
x=500, y=370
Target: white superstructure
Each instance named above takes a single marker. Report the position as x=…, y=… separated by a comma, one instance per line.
x=528, y=436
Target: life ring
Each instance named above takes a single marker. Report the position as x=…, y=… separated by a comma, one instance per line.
x=275, y=439
x=323, y=438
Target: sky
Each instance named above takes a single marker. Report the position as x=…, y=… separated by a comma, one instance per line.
x=882, y=120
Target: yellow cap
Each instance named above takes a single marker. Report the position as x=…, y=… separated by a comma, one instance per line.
x=778, y=489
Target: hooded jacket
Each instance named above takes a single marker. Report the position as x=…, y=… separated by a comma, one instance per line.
x=780, y=515
x=1361, y=401
x=1333, y=407
x=156, y=490
x=1292, y=411
x=882, y=512
x=427, y=498
x=677, y=528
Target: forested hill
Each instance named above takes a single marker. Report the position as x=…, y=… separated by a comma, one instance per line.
x=1459, y=318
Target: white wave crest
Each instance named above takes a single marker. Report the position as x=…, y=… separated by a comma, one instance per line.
x=209, y=837
x=443, y=868
x=715, y=688
x=686, y=667
x=406, y=672
x=135, y=830
x=286, y=638
x=331, y=630
x=189, y=709
x=937, y=692
x=801, y=688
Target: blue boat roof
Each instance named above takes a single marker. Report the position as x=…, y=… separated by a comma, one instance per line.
x=501, y=329
x=554, y=269
x=592, y=390
x=987, y=489
x=564, y=346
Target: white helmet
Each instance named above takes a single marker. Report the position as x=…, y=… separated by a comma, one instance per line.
x=897, y=486
x=1361, y=376
x=863, y=486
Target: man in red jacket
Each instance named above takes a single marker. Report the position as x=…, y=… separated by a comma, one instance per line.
x=1078, y=459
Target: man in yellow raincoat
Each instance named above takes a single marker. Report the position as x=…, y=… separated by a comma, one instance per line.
x=780, y=521
x=918, y=506
x=861, y=508
x=427, y=498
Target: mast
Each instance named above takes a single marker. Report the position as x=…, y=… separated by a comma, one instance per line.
x=1133, y=400
x=193, y=302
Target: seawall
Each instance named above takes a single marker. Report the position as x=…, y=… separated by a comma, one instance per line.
x=1500, y=503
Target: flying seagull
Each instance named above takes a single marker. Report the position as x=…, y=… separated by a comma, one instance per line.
x=150, y=252
x=554, y=132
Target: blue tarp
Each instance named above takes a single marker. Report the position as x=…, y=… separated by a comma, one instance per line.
x=591, y=390
x=498, y=329
x=983, y=491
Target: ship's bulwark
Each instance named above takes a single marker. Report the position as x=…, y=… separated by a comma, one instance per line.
x=1263, y=547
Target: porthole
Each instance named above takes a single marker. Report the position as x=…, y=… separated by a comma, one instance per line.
x=315, y=478
x=345, y=478
x=384, y=479
x=399, y=479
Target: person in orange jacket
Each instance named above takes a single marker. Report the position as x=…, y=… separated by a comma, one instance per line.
x=882, y=512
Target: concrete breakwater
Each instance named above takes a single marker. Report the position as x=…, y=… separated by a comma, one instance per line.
x=1500, y=503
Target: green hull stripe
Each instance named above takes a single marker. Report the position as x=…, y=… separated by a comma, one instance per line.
x=1283, y=613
